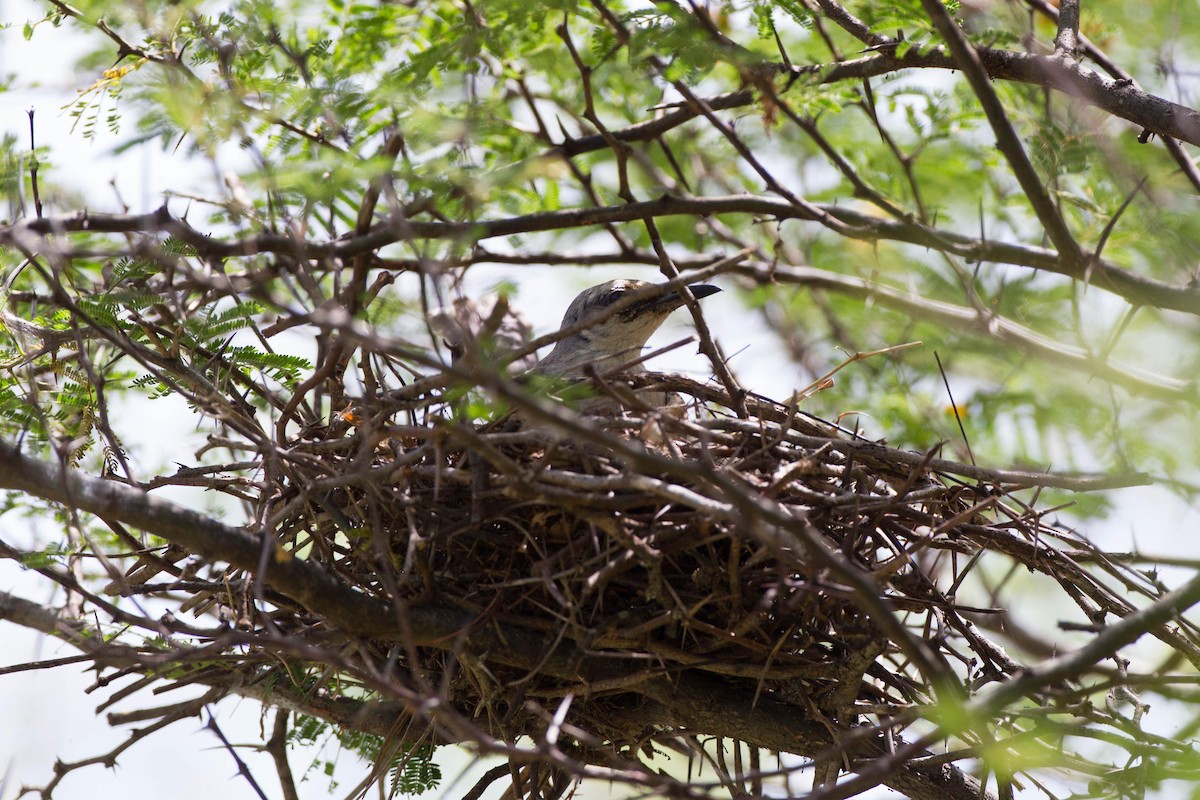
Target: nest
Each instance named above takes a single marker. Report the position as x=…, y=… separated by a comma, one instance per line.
x=741, y=542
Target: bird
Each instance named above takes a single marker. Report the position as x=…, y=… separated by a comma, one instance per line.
x=618, y=337
x=586, y=350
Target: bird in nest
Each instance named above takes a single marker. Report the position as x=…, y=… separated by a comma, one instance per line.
x=614, y=338
x=602, y=334
x=606, y=327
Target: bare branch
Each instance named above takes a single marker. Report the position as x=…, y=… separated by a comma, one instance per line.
x=1066, y=42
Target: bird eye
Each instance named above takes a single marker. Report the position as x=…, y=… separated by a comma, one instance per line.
x=613, y=296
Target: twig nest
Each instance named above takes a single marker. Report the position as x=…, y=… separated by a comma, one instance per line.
x=693, y=550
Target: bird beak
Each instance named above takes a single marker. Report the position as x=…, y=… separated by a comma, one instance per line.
x=673, y=300
x=702, y=290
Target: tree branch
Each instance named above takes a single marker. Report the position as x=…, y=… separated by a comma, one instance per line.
x=1004, y=331
x=1105, y=275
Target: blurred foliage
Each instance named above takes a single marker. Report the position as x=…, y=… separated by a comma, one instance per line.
x=410, y=771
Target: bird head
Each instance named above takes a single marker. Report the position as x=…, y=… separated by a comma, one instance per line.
x=615, y=337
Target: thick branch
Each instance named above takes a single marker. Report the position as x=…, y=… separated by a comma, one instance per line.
x=1004, y=331
x=1105, y=275
x=1107, y=643
x=1066, y=42
x=704, y=706
x=203, y=535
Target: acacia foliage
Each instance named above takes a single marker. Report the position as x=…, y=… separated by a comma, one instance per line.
x=1026, y=213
